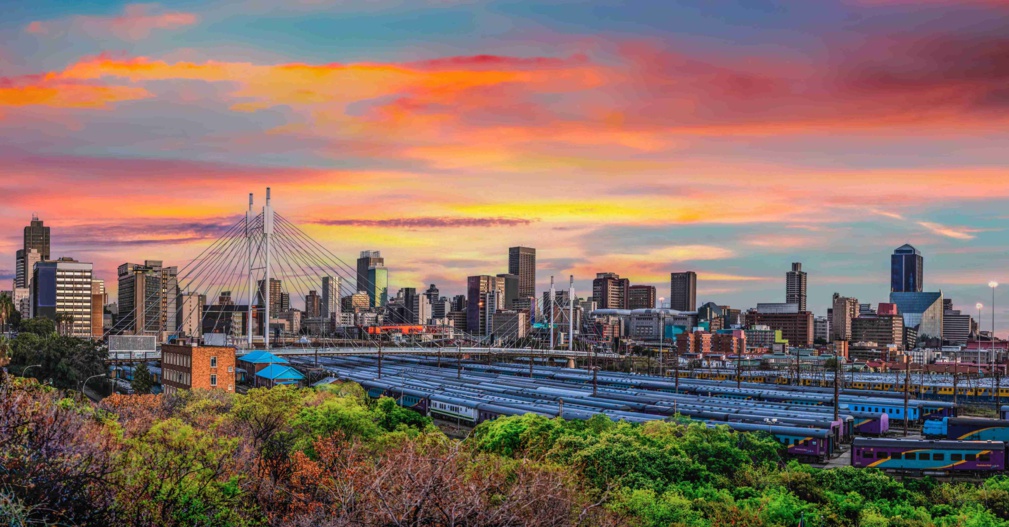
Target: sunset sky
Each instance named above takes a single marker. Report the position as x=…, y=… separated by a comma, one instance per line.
x=639, y=137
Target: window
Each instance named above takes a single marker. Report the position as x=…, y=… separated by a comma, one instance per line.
x=897, y=455
x=867, y=455
x=213, y=380
x=939, y=457
x=882, y=455
x=213, y=362
x=231, y=369
x=971, y=457
x=956, y=457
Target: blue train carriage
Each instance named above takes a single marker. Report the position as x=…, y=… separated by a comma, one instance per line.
x=977, y=429
x=934, y=428
x=929, y=456
x=1004, y=411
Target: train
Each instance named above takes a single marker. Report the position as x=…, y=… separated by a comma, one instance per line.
x=930, y=457
x=967, y=429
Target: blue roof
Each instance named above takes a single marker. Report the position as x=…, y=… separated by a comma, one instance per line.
x=277, y=372
x=262, y=357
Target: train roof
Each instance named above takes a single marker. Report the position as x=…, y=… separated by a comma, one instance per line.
x=978, y=421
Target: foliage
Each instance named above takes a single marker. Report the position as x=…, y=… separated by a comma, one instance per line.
x=143, y=381
x=65, y=361
x=330, y=456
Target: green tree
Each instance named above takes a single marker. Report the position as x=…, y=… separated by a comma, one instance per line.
x=7, y=310
x=40, y=326
x=143, y=381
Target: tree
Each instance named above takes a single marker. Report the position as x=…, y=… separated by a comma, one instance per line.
x=40, y=326
x=143, y=381
x=7, y=310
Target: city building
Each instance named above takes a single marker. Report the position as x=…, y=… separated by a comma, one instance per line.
x=641, y=297
x=923, y=312
x=19, y=269
x=330, y=297
x=459, y=303
x=485, y=297
x=32, y=257
x=275, y=295
x=372, y=277
x=907, y=268
x=610, y=291
x=885, y=330
x=522, y=263
x=61, y=292
x=843, y=311
x=765, y=338
x=795, y=286
x=510, y=325
x=98, y=300
x=956, y=326
x=796, y=327
x=821, y=329
x=22, y=301
x=148, y=294
x=190, y=315
x=433, y=294
x=192, y=367
x=683, y=291
x=732, y=342
x=694, y=342
x=778, y=308
x=36, y=236
x=511, y=288
x=356, y=302
x=650, y=324
x=313, y=305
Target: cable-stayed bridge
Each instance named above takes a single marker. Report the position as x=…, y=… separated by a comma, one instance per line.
x=242, y=286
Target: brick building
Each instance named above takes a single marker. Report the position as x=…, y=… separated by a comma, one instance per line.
x=192, y=367
x=796, y=328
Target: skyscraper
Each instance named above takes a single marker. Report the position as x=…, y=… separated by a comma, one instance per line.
x=62, y=289
x=26, y=261
x=511, y=287
x=365, y=262
x=313, y=305
x=37, y=237
x=330, y=296
x=683, y=291
x=522, y=262
x=147, y=298
x=843, y=312
x=276, y=297
x=795, y=286
x=485, y=297
x=19, y=269
x=907, y=268
x=610, y=291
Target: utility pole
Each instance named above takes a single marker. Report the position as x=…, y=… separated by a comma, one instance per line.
x=837, y=386
x=458, y=361
x=739, y=370
x=379, y=355
x=595, y=371
x=551, y=304
x=676, y=367
x=907, y=386
x=955, y=377
x=662, y=342
x=571, y=313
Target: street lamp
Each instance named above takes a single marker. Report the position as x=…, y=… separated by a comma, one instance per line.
x=85, y=383
x=979, y=306
x=993, y=284
x=24, y=371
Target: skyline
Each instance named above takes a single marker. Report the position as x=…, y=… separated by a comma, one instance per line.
x=636, y=139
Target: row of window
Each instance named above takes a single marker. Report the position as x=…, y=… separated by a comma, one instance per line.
x=797, y=442
x=925, y=456
x=176, y=359
x=177, y=376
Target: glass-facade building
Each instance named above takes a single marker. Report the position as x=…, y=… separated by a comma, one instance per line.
x=906, y=270
x=921, y=311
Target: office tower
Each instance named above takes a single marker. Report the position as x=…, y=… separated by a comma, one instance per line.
x=313, y=305
x=224, y=299
x=190, y=315
x=368, y=260
x=522, y=262
x=37, y=237
x=31, y=257
x=843, y=311
x=795, y=326
x=432, y=294
x=641, y=297
x=795, y=286
x=285, y=302
x=511, y=286
x=956, y=326
x=19, y=269
x=610, y=291
x=417, y=307
x=330, y=297
x=485, y=296
x=907, y=270
x=884, y=328
x=147, y=298
x=922, y=312
x=683, y=291
x=378, y=285
x=459, y=303
x=440, y=308
x=821, y=329
x=61, y=291
x=356, y=302
x=23, y=301
x=98, y=300
x=276, y=296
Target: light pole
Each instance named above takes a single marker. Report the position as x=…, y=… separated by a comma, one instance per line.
x=993, y=284
x=85, y=383
x=979, y=307
x=25, y=371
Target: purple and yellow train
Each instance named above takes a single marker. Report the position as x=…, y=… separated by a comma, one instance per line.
x=928, y=457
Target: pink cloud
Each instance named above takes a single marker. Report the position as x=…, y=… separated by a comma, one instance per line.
x=136, y=22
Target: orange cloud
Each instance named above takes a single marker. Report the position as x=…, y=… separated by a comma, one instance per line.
x=949, y=232
x=136, y=22
x=59, y=94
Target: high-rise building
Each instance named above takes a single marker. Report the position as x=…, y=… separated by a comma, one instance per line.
x=330, y=297
x=459, y=303
x=522, y=262
x=511, y=285
x=32, y=256
x=378, y=283
x=190, y=315
x=313, y=305
x=610, y=291
x=956, y=326
x=98, y=300
x=367, y=261
x=883, y=330
x=796, y=327
x=683, y=291
x=147, y=298
x=61, y=291
x=432, y=294
x=19, y=269
x=37, y=237
x=276, y=296
x=485, y=297
x=641, y=297
x=795, y=286
x=821, y=329
x=356, y=302
x=922, y=312
x=907, y=268
x=843, y=311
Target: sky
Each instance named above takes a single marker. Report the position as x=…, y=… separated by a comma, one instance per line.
x=638, y=137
